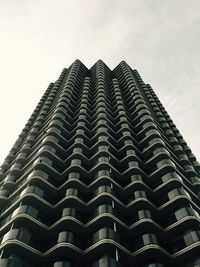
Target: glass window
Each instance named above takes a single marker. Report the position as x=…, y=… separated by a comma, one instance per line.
x=103, y=188
x=133, y=164
x=142, y=214
x=105, y=261
x=82, y=117
x=154, y=265
x=72, y=192
x=83, y=110
x=175, y=192
x=74, y=175
x=101, y=122
x=69, y=212
x=79, y=140
x=77, y=150
x=124, y=125
x=128, y=142
x=148, y=124
x=103, y=138
x=126, y=133
x=100, y=148
x=50, y=138
x=101, y=115
x=21, y=234
x=160, y=150
x=62, y=264
x=103, y=159
x=149, y=239
x=104, y=233
x=10, y=178
x=76, y=162
x=80, y=131
x=104, y=209
x=130, y=152
x=44, y=160
x=123, y=119
x=165, y=162
x=39, y=173
x=33, y=189
x=195, y=179
x=26, y=210
x=183, y=212
x=66, y=236
x=101, y=129
x=191, y=237
x=145, y=117
x=139, y=193
x=4, y=193
x=84, y=105
x=101, y=109
x=152, y=131
x=103, y=173
x=81, y=123
x=136, y=177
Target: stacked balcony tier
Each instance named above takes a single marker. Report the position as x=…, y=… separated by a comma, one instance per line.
x=100, y=177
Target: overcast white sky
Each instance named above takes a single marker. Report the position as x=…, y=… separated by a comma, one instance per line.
x=38, y=38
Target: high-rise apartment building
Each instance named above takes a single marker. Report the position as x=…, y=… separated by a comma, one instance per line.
x=100, y=177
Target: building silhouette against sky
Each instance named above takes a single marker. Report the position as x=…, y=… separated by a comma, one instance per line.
x=100, y=177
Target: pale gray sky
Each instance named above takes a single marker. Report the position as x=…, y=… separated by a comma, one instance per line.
x=40, y=37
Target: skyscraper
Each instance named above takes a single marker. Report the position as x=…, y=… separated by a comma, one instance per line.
x=100, y=177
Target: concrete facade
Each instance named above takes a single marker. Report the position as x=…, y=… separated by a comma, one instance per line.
x=100, y=177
